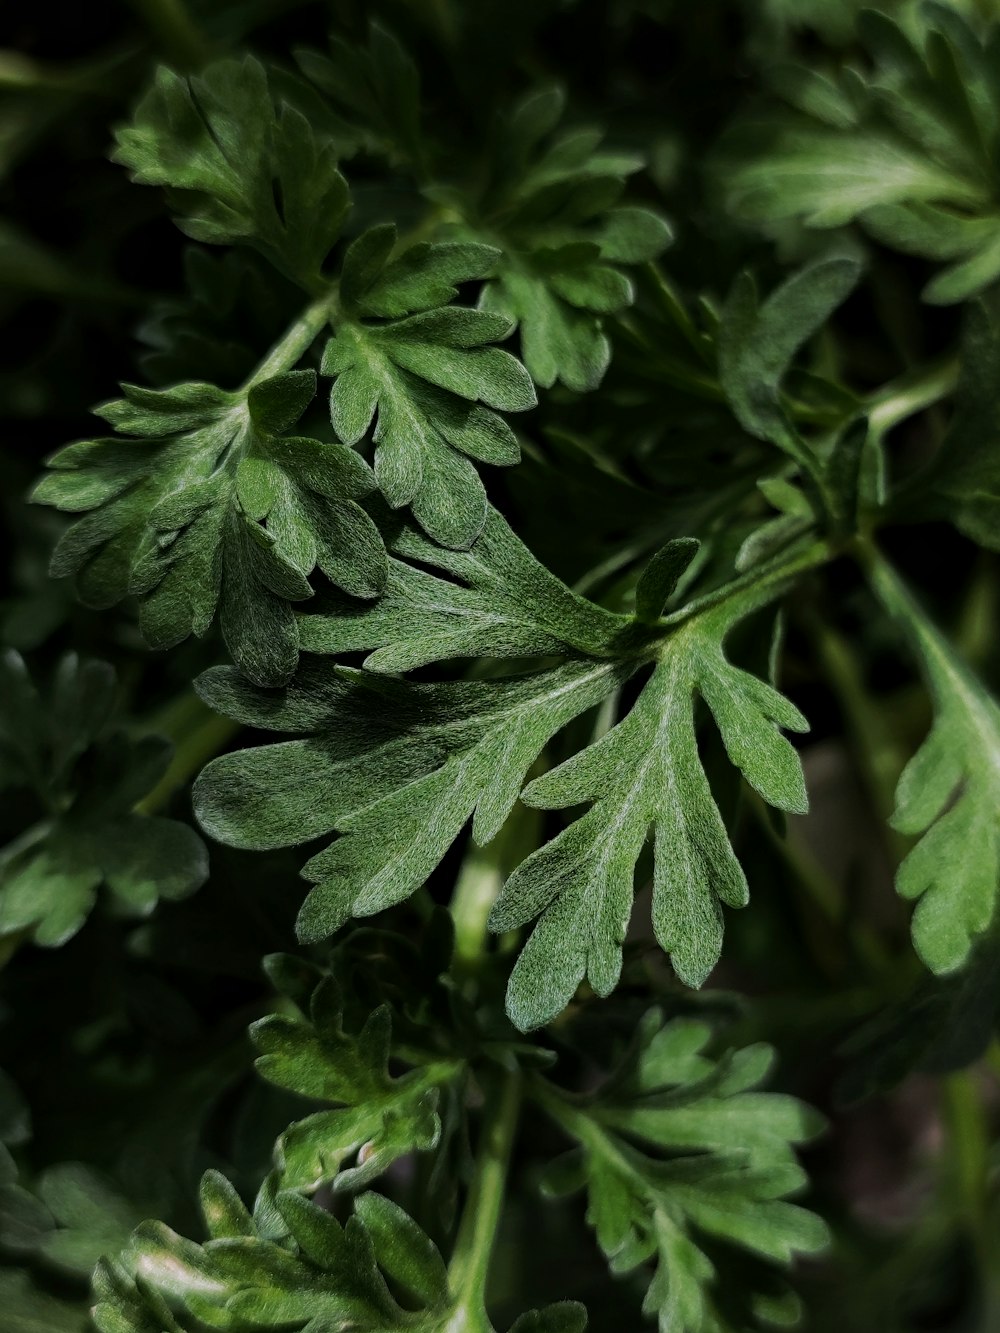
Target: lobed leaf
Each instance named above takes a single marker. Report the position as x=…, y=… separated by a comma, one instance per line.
x=240, y=164
x=427, y=373
x=210, y=510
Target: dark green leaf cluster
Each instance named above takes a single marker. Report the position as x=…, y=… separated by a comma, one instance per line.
x=87, y=775
x=241, y=165
x=380, y=1117
x=906, y=144
x=397, y=769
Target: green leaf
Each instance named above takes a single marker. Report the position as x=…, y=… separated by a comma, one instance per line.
x=759, y=341
x=941, y=1025
x=207, y=509
x=948, y=795
x=659, y=579
x=375, y=88
x=380, y=1117
x=92, y=1217
x=554, y=201
x=29, y=1309
x=495, y=600
x=396, y=768
x=908, y=150
x=320, y=1276
x=646, y=774
x=429, y=375
x=961, y=482
x=240, y=165
x=682, y=1156
x=91, y=774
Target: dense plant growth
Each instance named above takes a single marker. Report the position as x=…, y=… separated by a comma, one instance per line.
x=554, y=448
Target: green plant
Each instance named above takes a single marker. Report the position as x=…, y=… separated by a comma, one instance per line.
x=567, y=500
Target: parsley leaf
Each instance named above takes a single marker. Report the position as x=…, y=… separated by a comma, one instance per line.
x=397, y=768
x=431, y=374
x=948, y=794
x=240, y=165
x=907, y=148
x=211, y=509
x=667, y=1179
x=325, y=1276
x=87, y=774
x=495, y=600
x=382, y=1116
x=553, y=204
x=646, y=773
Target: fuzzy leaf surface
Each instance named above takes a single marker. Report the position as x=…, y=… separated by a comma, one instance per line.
x=428, y=374
x=646, y=775
x=209, y=509
x=948, y=796
x=239, y=164
x=396, y=768
x=321, y=1276
x=684, y=1158
x=495, y=600
x=380, y=1117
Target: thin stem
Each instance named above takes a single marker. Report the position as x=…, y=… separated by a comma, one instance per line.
x=765, y=580
x=198, y=735
x=877, y=756
x=968, y=1166
x=480, y=880
x=911, y=393
x=293, y=344
x=470, y=1262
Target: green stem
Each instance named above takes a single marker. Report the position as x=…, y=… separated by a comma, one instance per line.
x=198, y=735
x=480, y=880
x=911, y=393
x=470, y=1262
x=292, y=346
x=175, y=31
x=765, y=580
x=876, y=754
x=969, y=1142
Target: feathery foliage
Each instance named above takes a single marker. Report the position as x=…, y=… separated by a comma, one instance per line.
x=556, y=458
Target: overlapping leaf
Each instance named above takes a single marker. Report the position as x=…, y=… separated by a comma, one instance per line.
x=396, y=768
x=758, y=341
x=88, y=776
x=553, y=201
x=323, y=1276
x=375, y=89
x=495, y=600
x=430, y=374
x=908, y=148
x=210, y=509
x=381, y=1116
x=948, y=796
x=28, y=1308
x=683, y=1158
x=240, y=164
x=646, y=774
